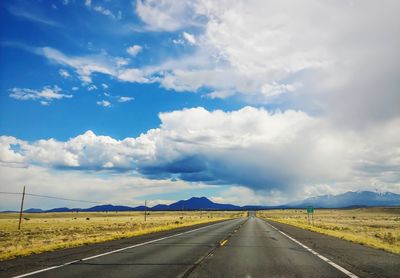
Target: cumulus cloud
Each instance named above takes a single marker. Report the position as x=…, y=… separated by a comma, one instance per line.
x=133, y=75
x=189, y=37
x=64, y=73
x=45, y=96
x=266, y=52
x=337, y=82
x=124, y=99
x=134, y=50
x=220, y=94
x=104, y=103
x=9, y=151
x=167, y=15
x=281, y=153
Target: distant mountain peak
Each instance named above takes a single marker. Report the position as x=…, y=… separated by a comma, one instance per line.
x=351, y=198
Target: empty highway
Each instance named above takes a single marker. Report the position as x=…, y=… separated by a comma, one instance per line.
x=246, y=247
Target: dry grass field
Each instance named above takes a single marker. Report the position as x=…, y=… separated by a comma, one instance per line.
x=42, y=232
x=375, y=227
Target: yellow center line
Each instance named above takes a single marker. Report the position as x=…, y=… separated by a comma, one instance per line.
x=224, y=242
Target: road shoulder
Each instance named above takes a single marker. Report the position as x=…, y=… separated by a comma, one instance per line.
x=34, y=262
x=362, y=260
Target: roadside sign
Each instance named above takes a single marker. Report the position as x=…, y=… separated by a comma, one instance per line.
x=310, y=215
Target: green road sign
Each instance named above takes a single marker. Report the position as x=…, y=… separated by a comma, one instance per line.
x=310, y=209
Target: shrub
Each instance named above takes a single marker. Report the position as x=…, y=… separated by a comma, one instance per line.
x=389, y=238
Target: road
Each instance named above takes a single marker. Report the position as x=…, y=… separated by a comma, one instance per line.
x=246, y=247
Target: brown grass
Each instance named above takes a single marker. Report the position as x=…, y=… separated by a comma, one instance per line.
x=375, y=227
x=42, y=232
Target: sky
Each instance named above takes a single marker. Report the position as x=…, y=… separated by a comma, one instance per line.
x=244, y=102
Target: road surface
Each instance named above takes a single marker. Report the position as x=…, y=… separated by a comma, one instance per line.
x=246, y=247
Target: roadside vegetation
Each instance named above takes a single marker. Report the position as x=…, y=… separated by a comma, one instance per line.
x=375, y=227
x=42, y=232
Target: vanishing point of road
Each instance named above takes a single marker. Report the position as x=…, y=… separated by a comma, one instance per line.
x=245, y=247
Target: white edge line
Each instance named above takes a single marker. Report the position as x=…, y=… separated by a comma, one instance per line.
x=114, y=251
x=345, y=271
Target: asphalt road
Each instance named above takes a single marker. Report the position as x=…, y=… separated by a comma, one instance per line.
x=247, y=247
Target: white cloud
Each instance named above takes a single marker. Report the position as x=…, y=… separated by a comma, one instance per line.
x=92, y=88
x=45, y=96
x=134, y=50
x=189, y=37
x=166, y=15
x=266, y=52
x=105, y=86
x=88, y=3
x=104, y=11
x=84, y=66
x=104, y=103
x=64, y=73
x=112, y=99
x=123, y=189
x=280, y=154
x=240, y=195
x=220, y=94
x=125, y=99
x=274, y=89
x=8, y=155
x=75, y=88
x=178, y=41
x=133, y=75
x=122, y=61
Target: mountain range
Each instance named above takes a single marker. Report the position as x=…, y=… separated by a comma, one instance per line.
x=352, y=199
x=348, y=199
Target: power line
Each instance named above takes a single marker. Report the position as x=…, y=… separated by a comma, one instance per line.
x=51, y=197
x=65, y=199
x=10, y=193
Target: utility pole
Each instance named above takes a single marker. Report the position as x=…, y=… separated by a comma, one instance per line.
x=22, y=208
x=145, y=210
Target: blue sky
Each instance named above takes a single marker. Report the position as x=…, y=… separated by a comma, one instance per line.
x=73, y=29
x=249, y=103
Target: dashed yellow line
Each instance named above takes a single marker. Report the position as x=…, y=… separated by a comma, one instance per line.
x=223, y=242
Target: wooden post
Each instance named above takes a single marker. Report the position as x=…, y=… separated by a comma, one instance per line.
x=22, y=208
x=145, y=210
